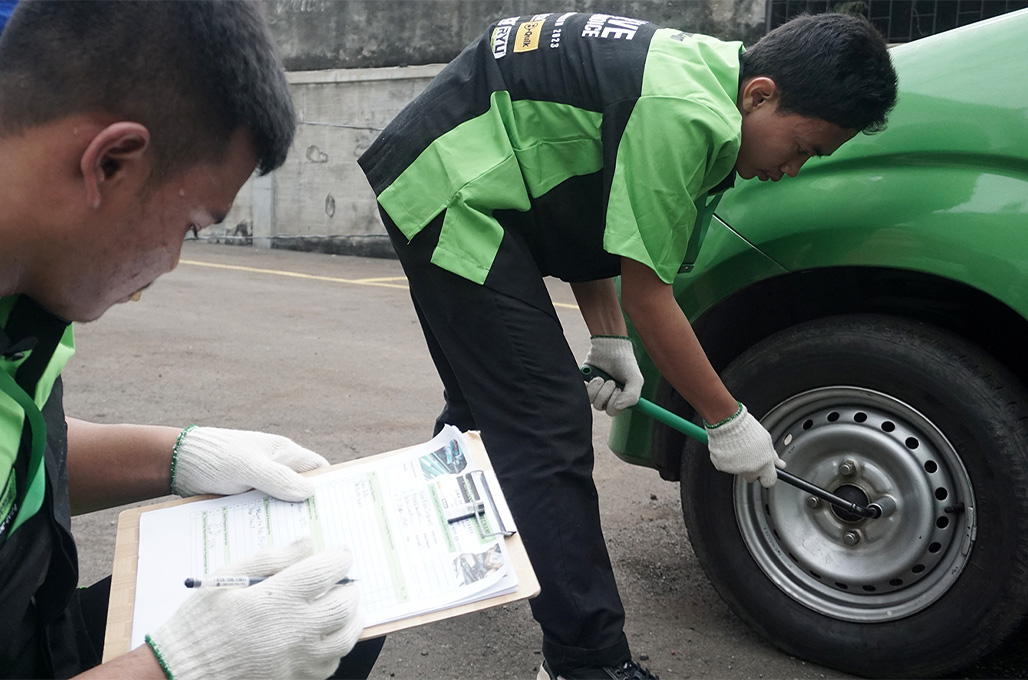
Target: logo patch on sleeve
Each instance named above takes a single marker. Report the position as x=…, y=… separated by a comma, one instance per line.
x=527, y=38
x=499, y=41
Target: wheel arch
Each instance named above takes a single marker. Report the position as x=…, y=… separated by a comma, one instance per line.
x=776, y=303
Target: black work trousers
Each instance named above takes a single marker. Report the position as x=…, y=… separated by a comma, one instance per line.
x=507, y=370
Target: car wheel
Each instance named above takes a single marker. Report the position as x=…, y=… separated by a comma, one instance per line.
x=875, y=409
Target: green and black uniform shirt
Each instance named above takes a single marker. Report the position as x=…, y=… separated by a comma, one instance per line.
x=38, y=561
x=591, y=136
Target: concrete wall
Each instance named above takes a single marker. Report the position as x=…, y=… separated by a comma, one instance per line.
x=329, y=34
x=319, y=200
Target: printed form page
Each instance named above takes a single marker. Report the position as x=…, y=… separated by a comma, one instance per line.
x=393, y=513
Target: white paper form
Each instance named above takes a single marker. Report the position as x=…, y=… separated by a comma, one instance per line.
x=391, y=513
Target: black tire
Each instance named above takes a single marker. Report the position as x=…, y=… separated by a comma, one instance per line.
x=909, y=411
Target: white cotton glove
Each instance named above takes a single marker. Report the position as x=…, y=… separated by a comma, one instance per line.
x=296, y=624
x=741, y=446
x=214, y=460
x=614, y=356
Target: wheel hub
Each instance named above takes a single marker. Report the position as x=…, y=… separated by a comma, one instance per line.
x=866, y=447
x=853, y=494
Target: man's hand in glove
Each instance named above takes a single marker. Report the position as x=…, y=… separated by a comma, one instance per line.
x=214, y=460
x=741, y=446
x=297, y=623
x=614, y=356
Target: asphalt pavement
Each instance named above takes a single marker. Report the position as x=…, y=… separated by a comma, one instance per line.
x=326, y=349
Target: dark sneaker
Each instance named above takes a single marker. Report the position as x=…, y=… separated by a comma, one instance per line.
x=629, y=670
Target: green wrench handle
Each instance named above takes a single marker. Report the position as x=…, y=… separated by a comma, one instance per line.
x=696, y=432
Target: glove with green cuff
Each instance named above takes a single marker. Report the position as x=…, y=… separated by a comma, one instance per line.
x=215, y=460
x=741, y=446
x=297, y=623
x=613, y=355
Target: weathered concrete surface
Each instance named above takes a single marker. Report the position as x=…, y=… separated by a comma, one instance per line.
x=321, y=189
x=319, y=199
x=330, y=34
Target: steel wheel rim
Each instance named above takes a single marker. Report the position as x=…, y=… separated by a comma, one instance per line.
x=858, y=569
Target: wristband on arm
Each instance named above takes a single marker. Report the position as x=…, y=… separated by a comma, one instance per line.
x=174, y=465
x=727, y=420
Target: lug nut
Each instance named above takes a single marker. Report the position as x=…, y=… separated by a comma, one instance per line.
x=851, y=538
x=847, y=468
x=813, y=502
x=886, y=505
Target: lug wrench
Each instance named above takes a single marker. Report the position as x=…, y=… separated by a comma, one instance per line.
x=690, y=429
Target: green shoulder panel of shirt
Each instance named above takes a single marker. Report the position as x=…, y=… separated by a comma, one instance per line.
x=493, y=162
x=680, y=140
x=13, y=417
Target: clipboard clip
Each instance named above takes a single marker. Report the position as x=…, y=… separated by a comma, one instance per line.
x=484, y=506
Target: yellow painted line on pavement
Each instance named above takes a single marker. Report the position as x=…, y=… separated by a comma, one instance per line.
x=381, y=278
x=383, y=282
x=297, y=275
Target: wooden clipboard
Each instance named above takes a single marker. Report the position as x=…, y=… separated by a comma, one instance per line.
x=118, y=635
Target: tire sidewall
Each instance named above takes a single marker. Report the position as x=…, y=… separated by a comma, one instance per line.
x=954, y=386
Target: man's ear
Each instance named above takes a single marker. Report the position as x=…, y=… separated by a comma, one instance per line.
x=114, y=152
x=757, y=92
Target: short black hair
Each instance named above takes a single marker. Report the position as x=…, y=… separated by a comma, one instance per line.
x=830, y=66
x=192, y=71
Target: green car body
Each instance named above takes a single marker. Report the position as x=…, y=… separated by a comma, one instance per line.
x=926, y=222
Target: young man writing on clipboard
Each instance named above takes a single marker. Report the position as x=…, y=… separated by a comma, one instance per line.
x=121, y=126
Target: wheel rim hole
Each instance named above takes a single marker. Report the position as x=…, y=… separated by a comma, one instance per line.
x=931, y=466
x=860, y=417
x=815, y=575
x=912, y=443
x=869, y=589
x=941, y=494
x=888, y=426
x=841, y=585
x=918, y=568
x=896, y=582
x=833, y=416
x=807, y=424
x=942, y=522
x=933, y=548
